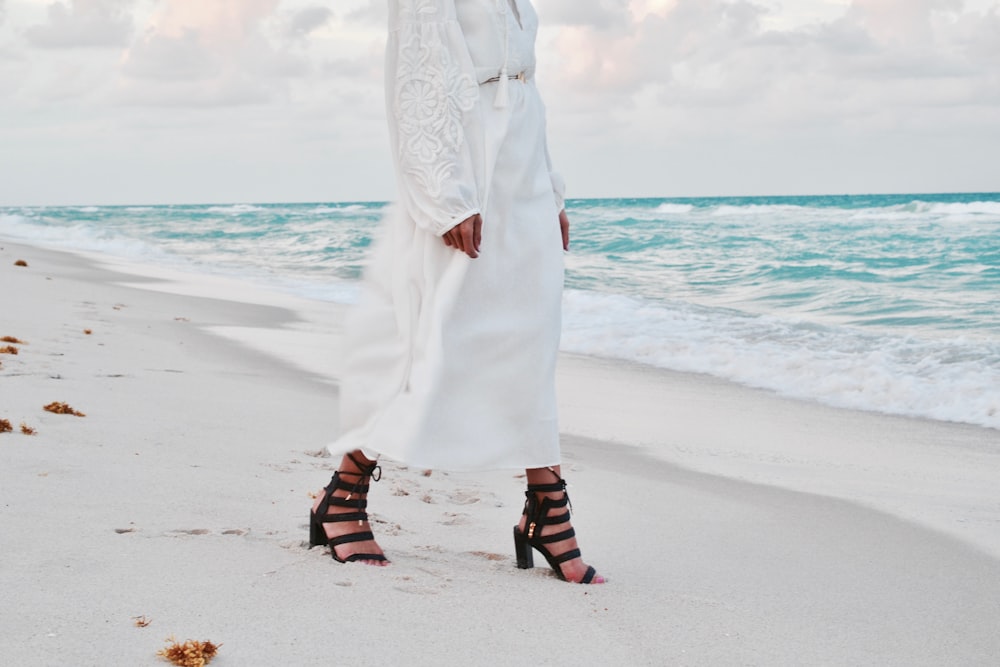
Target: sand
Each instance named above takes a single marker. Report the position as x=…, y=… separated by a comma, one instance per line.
x=736, y=527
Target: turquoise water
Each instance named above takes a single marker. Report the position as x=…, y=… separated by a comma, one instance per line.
x=880, y=302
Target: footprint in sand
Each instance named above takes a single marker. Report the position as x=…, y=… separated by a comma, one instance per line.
x=456, y=497
x=464, y=497
x=433, y=548
x=191, y=531
x=318, y=454
x=455, y=519
x=405, y=487
x=417, y=590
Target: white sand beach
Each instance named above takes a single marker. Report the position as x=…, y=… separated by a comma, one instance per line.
x=736, y=527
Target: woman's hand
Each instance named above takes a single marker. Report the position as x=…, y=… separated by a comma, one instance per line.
x=466, y=235
x=564, y=228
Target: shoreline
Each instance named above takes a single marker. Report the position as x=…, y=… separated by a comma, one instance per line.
x=844, y=458
x=204, y=454
x=856, y=455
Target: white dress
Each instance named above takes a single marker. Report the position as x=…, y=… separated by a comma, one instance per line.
x=450, y=361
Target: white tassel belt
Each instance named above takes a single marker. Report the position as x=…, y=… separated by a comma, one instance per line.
x=501, y=99
x=520, y=76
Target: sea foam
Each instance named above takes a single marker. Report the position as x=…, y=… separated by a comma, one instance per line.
x=953, y=380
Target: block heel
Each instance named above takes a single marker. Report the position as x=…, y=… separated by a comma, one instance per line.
x=539, y=514
x=525, y=559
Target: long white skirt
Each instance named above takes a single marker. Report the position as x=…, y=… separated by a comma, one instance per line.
x=450, y=361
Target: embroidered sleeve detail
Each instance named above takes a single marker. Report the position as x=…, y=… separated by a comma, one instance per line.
x=431, y=93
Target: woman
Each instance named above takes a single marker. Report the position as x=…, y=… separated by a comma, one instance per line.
x=452, y=351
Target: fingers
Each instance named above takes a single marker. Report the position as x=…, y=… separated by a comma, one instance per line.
x=453, y=239
x=467, y=232
x=564, y=228
x=466, y=236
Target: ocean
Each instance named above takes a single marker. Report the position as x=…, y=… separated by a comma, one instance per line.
x=888, y=303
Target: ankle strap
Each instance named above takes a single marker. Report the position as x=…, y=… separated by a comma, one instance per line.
x=548, y=488
x=531, y=506
x=373, y=470
x=554, y=487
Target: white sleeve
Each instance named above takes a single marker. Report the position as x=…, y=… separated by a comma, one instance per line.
x=558, y=182
x=432, y=98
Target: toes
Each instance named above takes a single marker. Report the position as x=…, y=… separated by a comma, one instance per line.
x=375, y=563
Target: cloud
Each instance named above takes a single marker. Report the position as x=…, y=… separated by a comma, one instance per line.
x=307, y=20
x=371, y=13
x=711, y=82
x=713, y=55
x=196, y=53
x=600, y=14
x=83, y=24
x=899, y=23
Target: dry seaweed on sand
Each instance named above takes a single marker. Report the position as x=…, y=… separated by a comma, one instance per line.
x=189, y=654
x=8, y=349
x=27, y=430
x=142, y=621
x=20, y=262
x=13, y=339
x=5, y=426
x=62, y=409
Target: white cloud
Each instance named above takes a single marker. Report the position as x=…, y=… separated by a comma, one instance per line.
x=196, y=53
x=365, y=12
x=707, y=84
x=599, y=14
x=83, y=24
x=710, y=54
x=307, y=20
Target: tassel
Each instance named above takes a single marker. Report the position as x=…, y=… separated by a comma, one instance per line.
x=502, y=95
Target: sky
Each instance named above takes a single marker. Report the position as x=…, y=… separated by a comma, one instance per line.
x=198, y=101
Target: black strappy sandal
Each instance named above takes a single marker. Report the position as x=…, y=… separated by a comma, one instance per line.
x=538, y=517
x=321, y=515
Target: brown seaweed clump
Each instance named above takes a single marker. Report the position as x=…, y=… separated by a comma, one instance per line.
x=8, y=349
x=20, y=262
x=5, y=426
x=27, y=430
x=62, y=409
x=141, y=621
x=189, y=654
x=88, y=331
x=12, y=339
